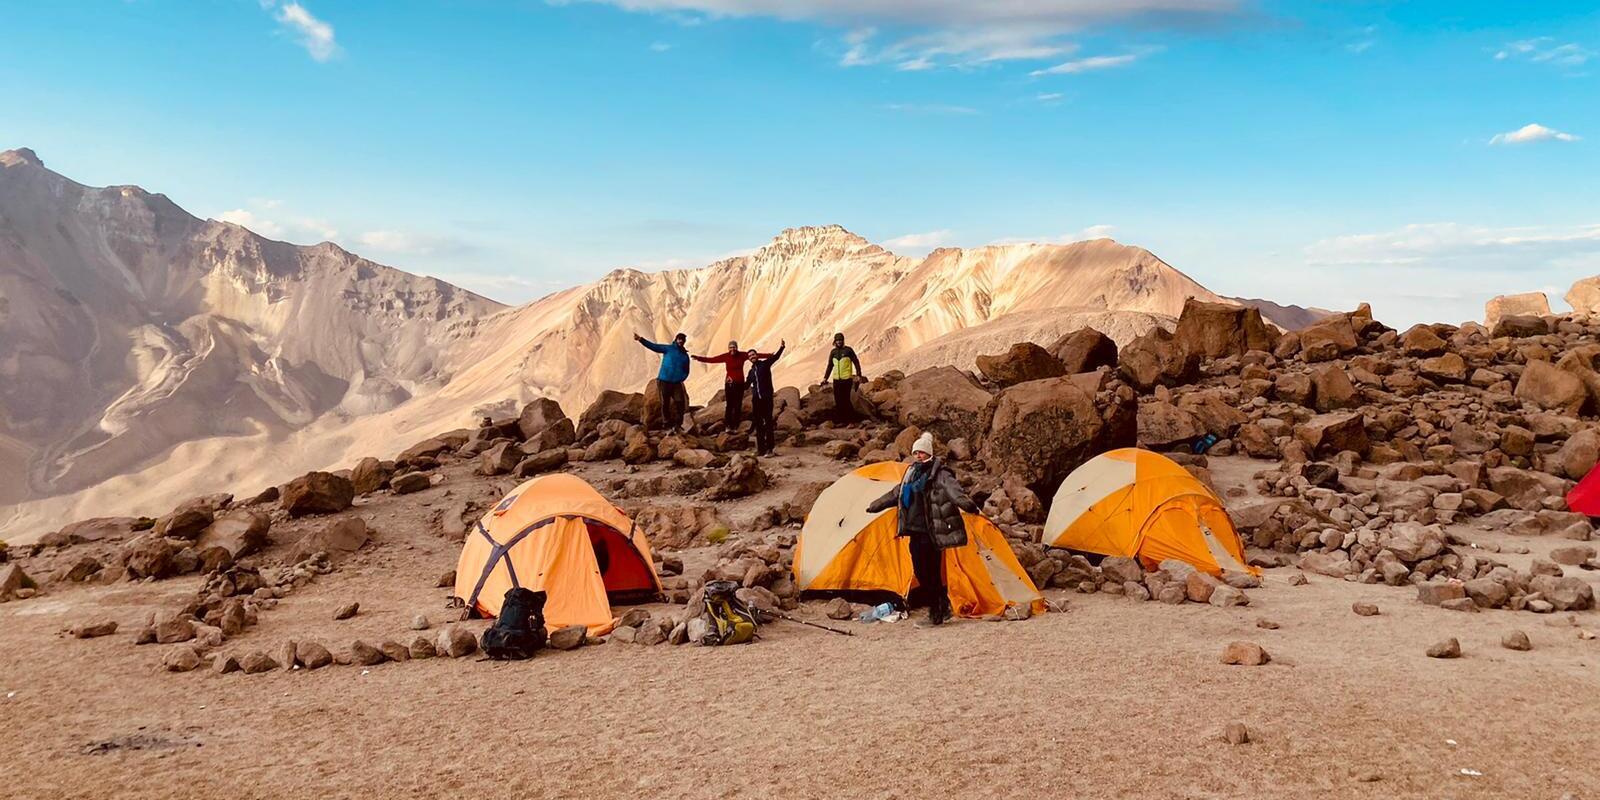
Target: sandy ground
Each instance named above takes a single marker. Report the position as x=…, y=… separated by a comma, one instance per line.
x=1108, y=698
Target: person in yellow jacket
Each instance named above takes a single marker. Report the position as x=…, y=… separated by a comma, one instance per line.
x=842, y=371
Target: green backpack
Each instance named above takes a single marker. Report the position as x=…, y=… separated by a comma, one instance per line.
x=730, y=620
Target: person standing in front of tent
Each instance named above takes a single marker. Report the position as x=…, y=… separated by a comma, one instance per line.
x=842, y=371
x=930, y=501
x=761, y=395
x=674, y=371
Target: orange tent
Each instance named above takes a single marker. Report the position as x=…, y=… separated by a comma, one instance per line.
x=843, y=548
x=556, y=534
x=1139, y=504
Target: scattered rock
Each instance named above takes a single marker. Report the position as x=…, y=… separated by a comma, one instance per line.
x=1447, y=648
x=1236, y=733
x=455, y=641
x=346, y=611
x=1516, y=640
x=257, y=662
x=317, y=493
x=183, y=658
x=92, y=630
x=1247, y=654
x=569, y=637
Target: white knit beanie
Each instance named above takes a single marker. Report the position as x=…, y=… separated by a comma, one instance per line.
x=924, y=443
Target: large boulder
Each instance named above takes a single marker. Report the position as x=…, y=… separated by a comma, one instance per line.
x=1332, y=389
x=369, y=475
x=1042, y=430
x=1025, y=361
x=1527, y=304
x=1214, y=330
x=947, y=401
x=1329, y=434
x=1156, y=359
x=1548, y=387
x=1218, y=416
x=191, y=516
x=1421, y=340
x=500, y=459
x=97, y=529
x=1085, y=350
x=538, y=416
x=742, y=477
x=1163, y=426
x=1578, y=454
x=1584, y=297
x=232, y=536
x=336, y=538
x=628, y=407
x=149, y=556
x=1328, y=338
x=317, y=493
x=1520, y=327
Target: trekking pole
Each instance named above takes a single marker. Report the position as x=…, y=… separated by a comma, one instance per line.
x=781, y=615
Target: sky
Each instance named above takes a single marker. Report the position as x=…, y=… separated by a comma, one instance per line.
x=1422, y=156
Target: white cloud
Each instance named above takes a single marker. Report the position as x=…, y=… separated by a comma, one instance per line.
x=1090, y=64
x=1544, y=50
x=1454, y=244
x=315, y=35
x=285, y=228
x=937, y=109
x=659, y=47
x=1087, y=234
x=913, y=242
x=1533, y=132
x=410, y=243
x=950, y=32
x=1048, y=97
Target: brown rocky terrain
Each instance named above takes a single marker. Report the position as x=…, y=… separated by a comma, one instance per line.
x=1424, y=626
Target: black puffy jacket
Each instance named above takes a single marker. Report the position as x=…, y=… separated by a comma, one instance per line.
x=935, y=512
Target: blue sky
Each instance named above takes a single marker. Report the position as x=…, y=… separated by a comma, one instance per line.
x=1314, y=153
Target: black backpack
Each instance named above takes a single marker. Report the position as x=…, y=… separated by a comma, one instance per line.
x=519, y=630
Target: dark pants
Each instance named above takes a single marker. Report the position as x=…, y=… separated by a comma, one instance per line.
x=927, y=564
x=733, y=393
x=674, y=404
x=761, y=417
x=843, y=412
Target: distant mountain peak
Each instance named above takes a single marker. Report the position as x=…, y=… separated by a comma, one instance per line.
x=21, y=155
x=818, y=234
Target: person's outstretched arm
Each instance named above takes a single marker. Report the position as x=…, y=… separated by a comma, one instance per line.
x=773, y=356
x=659, y=348
x=886, y=502
x=722, y=359
x=952, y=489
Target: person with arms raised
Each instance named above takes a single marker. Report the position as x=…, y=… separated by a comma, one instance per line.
x=674, y=371
x=761, y=395
x=733, y=389
x=930, y=501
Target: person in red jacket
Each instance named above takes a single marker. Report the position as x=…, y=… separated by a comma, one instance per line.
x=733, y=387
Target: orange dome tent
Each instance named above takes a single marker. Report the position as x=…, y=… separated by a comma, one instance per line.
x=556, y=534
x=1139, y=504
x=843, y=548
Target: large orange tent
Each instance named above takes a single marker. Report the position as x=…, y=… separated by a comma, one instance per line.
x=843, y=548
x=1140, y=504
x=556, y=534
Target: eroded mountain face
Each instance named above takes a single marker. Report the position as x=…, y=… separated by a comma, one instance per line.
x=130, y=326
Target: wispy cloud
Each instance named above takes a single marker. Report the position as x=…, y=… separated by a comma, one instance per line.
x=314, y=34
x=951, y=33
x=1084, y=235
x=1545, y=50
x=1455, y=244
x=919, y=242
x=935, y=109
x=411, y=243
x=659, y=47
x=1533, y=132
x=1092, y=64
x=1049, y=98
x=280, y=226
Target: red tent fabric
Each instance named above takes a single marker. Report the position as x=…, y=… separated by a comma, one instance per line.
x=1585, y=497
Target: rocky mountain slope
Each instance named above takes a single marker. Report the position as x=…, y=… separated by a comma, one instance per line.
x=146, y=354
x=129, y=326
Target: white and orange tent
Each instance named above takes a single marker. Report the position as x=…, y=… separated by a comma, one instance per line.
x=1139, y=504
x=556, y=534
x=843, y=548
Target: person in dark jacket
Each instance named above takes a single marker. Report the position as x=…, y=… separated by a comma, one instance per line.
x=930, y=501
x=674, y=371
x=733, y=387
x=761, y=394
x=842, y=371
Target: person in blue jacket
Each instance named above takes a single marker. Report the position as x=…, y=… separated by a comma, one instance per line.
x=674, y=371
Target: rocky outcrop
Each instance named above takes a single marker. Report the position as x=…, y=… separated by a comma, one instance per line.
x=1527, y=304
